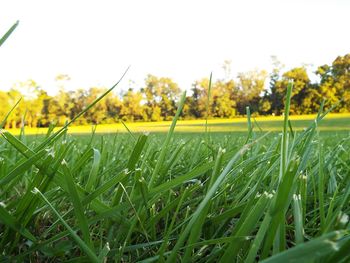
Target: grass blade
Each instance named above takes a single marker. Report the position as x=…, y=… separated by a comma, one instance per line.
x=78, y=208
x=155, y=175
x=8, y=33
x=83, y=246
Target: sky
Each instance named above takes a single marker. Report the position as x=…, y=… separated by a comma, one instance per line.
x=95, y=41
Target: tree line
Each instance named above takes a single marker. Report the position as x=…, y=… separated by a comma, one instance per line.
x=157, y=99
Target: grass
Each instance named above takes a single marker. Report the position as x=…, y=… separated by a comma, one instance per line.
x=331, y=123
x=238, y=195
x=178, y=197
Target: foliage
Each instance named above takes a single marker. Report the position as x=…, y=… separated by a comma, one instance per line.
x=156, y=100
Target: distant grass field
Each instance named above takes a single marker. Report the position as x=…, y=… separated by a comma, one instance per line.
x=332, y=123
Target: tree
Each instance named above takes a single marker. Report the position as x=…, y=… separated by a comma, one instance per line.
x=113, y=107
x=131, y=109
x=301, y=83
x=251, y=84
x=223, y=103
x=335, y=83
x=96, y=114
x=32, y=95
x=45, y=119
x=157, y=99
x=265, y=105
x=198, y=102
x=272, y=96
x=79, y=102
x=16, y=115
x=61, y=107
x=160, y=96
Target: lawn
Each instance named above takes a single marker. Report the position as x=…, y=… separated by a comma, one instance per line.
x=270, y=189
x=332, y=123
x=236, y=193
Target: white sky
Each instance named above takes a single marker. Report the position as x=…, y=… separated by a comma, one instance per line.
x=94, y=41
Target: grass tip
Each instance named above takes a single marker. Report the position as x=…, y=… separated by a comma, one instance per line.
x=296, y=197
x=222, y=150
x=35, y=190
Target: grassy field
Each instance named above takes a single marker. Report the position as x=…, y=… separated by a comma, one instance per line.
x=244, y=196
x=332, y=123
x=273, y=189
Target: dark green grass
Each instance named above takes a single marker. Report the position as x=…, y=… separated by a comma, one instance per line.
x=135, y=220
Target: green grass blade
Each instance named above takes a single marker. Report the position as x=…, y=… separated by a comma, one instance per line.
x=136, y=153
x=284, y=154
x=298, y=219
x=155, y=175
x=83, y=246
x=198, y=171
x=78, y=208
x=8, y=33
x=204, y=202
x=7, y=219
x=129, y=131
x=103, y=255
x=250, y=126
x=207, y=110
x=22, y=167
x=320, y=188
x=173, y=221
x=310, y=251
x=3, y=122
x=92, y=179
x=248, y=226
